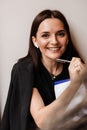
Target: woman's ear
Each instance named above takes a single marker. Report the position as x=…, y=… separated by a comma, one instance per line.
x=34, y=41
x=35, y=44
x=67, y=40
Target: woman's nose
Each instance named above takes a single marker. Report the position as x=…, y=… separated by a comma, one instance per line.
x=54, y=40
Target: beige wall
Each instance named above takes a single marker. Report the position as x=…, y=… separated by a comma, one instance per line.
x=15, y=20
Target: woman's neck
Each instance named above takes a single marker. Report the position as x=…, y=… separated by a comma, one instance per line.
x=53, y=67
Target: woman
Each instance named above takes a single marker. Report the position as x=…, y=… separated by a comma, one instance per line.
x=32, y=96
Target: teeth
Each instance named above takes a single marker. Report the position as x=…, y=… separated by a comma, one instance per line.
x=54, y=49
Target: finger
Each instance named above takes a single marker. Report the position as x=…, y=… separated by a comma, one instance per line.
x=75, y=59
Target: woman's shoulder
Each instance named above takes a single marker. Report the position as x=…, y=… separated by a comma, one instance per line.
x=25, y=64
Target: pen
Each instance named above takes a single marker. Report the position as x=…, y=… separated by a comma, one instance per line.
x=62, y=61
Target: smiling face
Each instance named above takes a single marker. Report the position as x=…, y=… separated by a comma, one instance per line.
x=51, y=38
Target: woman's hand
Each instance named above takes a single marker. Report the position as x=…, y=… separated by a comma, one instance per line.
x=77, y=70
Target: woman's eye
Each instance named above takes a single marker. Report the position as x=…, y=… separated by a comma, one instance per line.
x=45, y=35
x=62, y=34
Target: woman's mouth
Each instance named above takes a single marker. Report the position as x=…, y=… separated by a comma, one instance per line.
x=54, y=48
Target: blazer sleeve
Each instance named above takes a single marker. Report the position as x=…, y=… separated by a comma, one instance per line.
x=18, y=99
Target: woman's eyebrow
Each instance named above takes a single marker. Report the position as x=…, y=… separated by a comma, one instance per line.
x=45, y=32
x=61, y=30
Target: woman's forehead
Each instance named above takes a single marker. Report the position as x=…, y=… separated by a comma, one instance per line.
x=51, y=23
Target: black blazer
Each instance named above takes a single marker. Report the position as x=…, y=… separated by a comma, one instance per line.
x=15, y=116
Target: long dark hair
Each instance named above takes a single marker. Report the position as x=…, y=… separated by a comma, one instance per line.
x=34, y=52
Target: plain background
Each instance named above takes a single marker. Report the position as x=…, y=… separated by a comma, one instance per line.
x=16, y=17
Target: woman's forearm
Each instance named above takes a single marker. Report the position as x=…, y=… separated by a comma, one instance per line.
x=43, y=114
